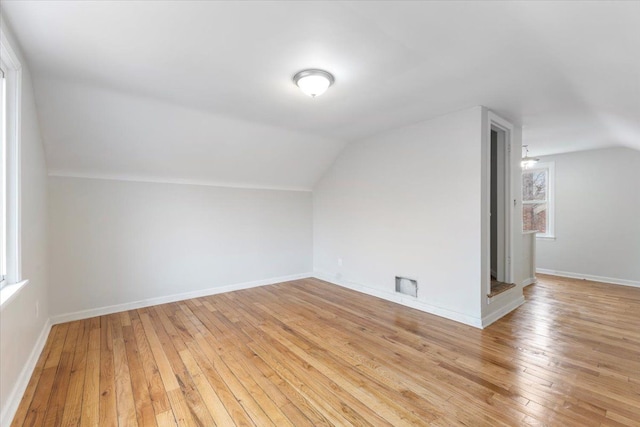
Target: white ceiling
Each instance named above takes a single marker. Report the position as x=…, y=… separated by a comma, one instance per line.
x=569, y=72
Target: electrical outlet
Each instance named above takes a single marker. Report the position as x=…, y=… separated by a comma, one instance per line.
x=339, y=262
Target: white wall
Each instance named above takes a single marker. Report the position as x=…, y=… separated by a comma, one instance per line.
x=597, y=216
x=100, y=132
x=407, y=202
x=20, y=328
x=117, y=242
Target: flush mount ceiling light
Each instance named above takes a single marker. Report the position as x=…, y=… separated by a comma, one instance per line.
x=313, y=82
x=526, y=160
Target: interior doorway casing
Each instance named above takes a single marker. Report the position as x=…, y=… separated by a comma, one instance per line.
x=505, y=231
x=497, y=176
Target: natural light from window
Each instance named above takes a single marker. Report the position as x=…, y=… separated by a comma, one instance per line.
x=11, y=281
x=537, y=202
x=3, y=180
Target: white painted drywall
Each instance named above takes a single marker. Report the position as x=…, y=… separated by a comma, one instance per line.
x=99, y=132
x=116, y=242
x=597, y=215
x=407, y=202
x=395, y=62
x=20, y=328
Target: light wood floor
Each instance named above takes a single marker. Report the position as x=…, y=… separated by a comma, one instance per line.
x=310, y=353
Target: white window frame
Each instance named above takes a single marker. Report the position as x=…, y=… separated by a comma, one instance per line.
x=550, y=167
x=13, y=85
x=3, y=186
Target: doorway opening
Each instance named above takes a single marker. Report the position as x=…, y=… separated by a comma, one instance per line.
x=499, y=236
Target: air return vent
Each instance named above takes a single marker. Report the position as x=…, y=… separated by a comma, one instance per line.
x=407, y=286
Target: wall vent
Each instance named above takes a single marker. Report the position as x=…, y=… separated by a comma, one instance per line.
x=407, y=286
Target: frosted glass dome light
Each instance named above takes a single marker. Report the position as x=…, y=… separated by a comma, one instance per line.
x=313, y=82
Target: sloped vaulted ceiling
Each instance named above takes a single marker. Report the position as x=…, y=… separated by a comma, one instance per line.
x=201, y=91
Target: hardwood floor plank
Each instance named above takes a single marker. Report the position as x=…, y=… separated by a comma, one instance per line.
x=59, y=389
x=170, y=345
x=277, y=417
x=308, y=353
x=201, y=334
x=21, y=412
x=298, y=412
x=340, y=370
x=215, y=379
x=157, y=393
x=141, y=397
x=91, y=392
x=334, y=414
x=108, y=413
x=424, y=398
x=164, y=367
x=176, y=399
x=166, y=419
x=256, y=414
x=215, y=406
x=73, y=403
x=33, y=406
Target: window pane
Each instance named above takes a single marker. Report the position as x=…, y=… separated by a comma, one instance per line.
x=534, y=217
x=534, y=185
x=3, y=180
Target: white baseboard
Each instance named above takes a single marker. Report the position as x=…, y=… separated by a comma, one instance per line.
x=601, y=279
x=101, y=311
x=528, y=281
x=15, y=396
x=490, y=318
x=402, y=300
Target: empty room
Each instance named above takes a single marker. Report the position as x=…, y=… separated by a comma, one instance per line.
x=306, y=213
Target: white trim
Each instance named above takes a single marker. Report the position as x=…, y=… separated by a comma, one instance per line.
x=401, y=299
x=8, y=54
x=15, y=395
x=100, y=311
x=3, y=177
x=494, y=120
x=501, y=296
x=159, y=180
x=13, y=173
x=498, y=314
x=529, y=281
x=601, y=279
x=9, y=292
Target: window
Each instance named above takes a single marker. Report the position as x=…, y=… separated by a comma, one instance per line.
x=3, y=178
x=10, y=95
x=537, y=199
